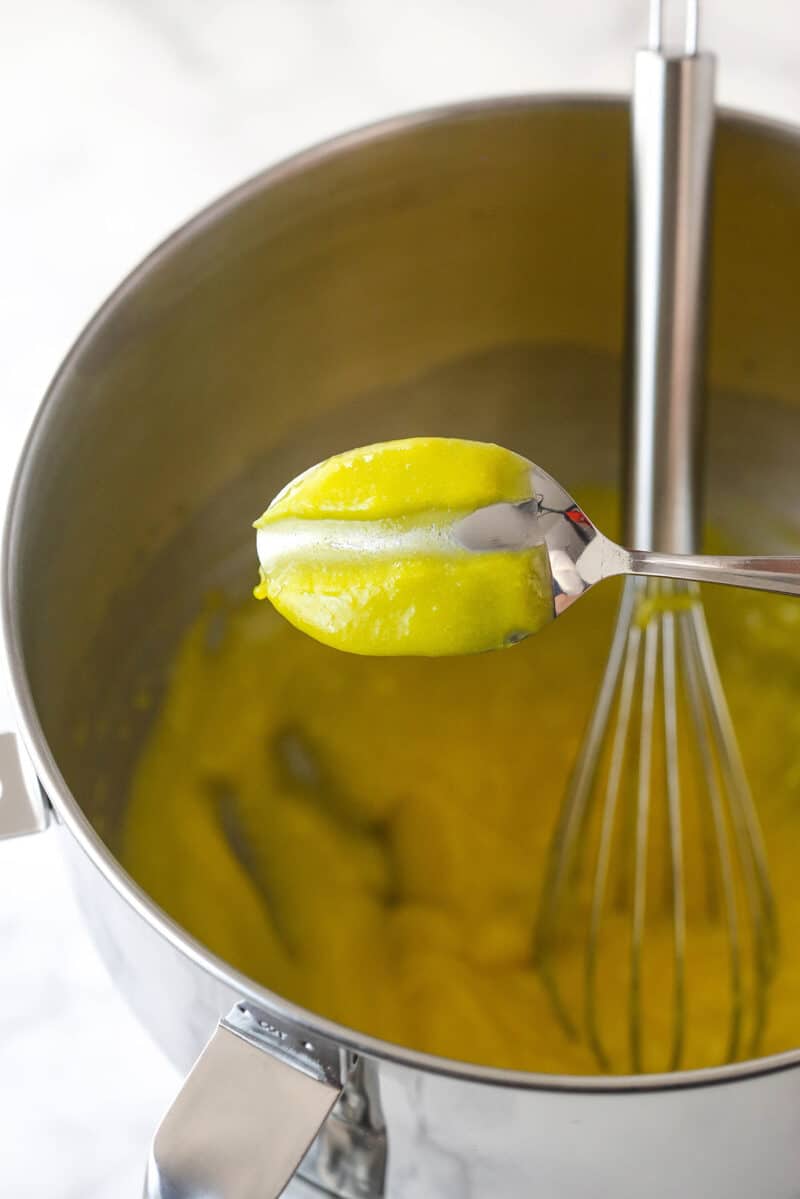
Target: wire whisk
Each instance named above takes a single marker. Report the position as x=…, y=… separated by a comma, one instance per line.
x=660, y=759
x=661, y=692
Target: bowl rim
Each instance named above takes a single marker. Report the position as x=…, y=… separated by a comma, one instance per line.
x=67, y=808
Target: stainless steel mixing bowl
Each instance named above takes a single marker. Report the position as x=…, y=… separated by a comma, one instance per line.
x=456, y=272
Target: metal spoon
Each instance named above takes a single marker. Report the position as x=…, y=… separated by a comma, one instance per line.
x=576, y=554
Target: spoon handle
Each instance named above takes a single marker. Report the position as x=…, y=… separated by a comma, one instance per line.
x=780, y=574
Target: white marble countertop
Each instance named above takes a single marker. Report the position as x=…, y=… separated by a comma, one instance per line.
x=121, y=119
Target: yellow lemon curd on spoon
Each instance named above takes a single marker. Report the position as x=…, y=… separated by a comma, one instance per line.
x=360, y=551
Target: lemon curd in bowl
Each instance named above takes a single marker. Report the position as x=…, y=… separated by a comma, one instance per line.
x=368, y=836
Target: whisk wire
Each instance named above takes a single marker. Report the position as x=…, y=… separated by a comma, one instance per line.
x=573, y=813
x=675, y=826
x=644, y=790
x=610, y=805
x=722, y=842
x=733, y=767
x=746, y=831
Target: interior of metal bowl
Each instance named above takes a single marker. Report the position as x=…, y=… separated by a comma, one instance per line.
x=458, y=274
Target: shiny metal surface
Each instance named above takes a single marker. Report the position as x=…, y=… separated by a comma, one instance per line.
x=243, y=1119
x=23, y=809
x=673, y=132
x=691, y=33
x=779, y=574
x=349, y=1157
x=580, y=556
x=405, y=280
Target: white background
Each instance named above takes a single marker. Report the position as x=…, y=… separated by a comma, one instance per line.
x=119, y=119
